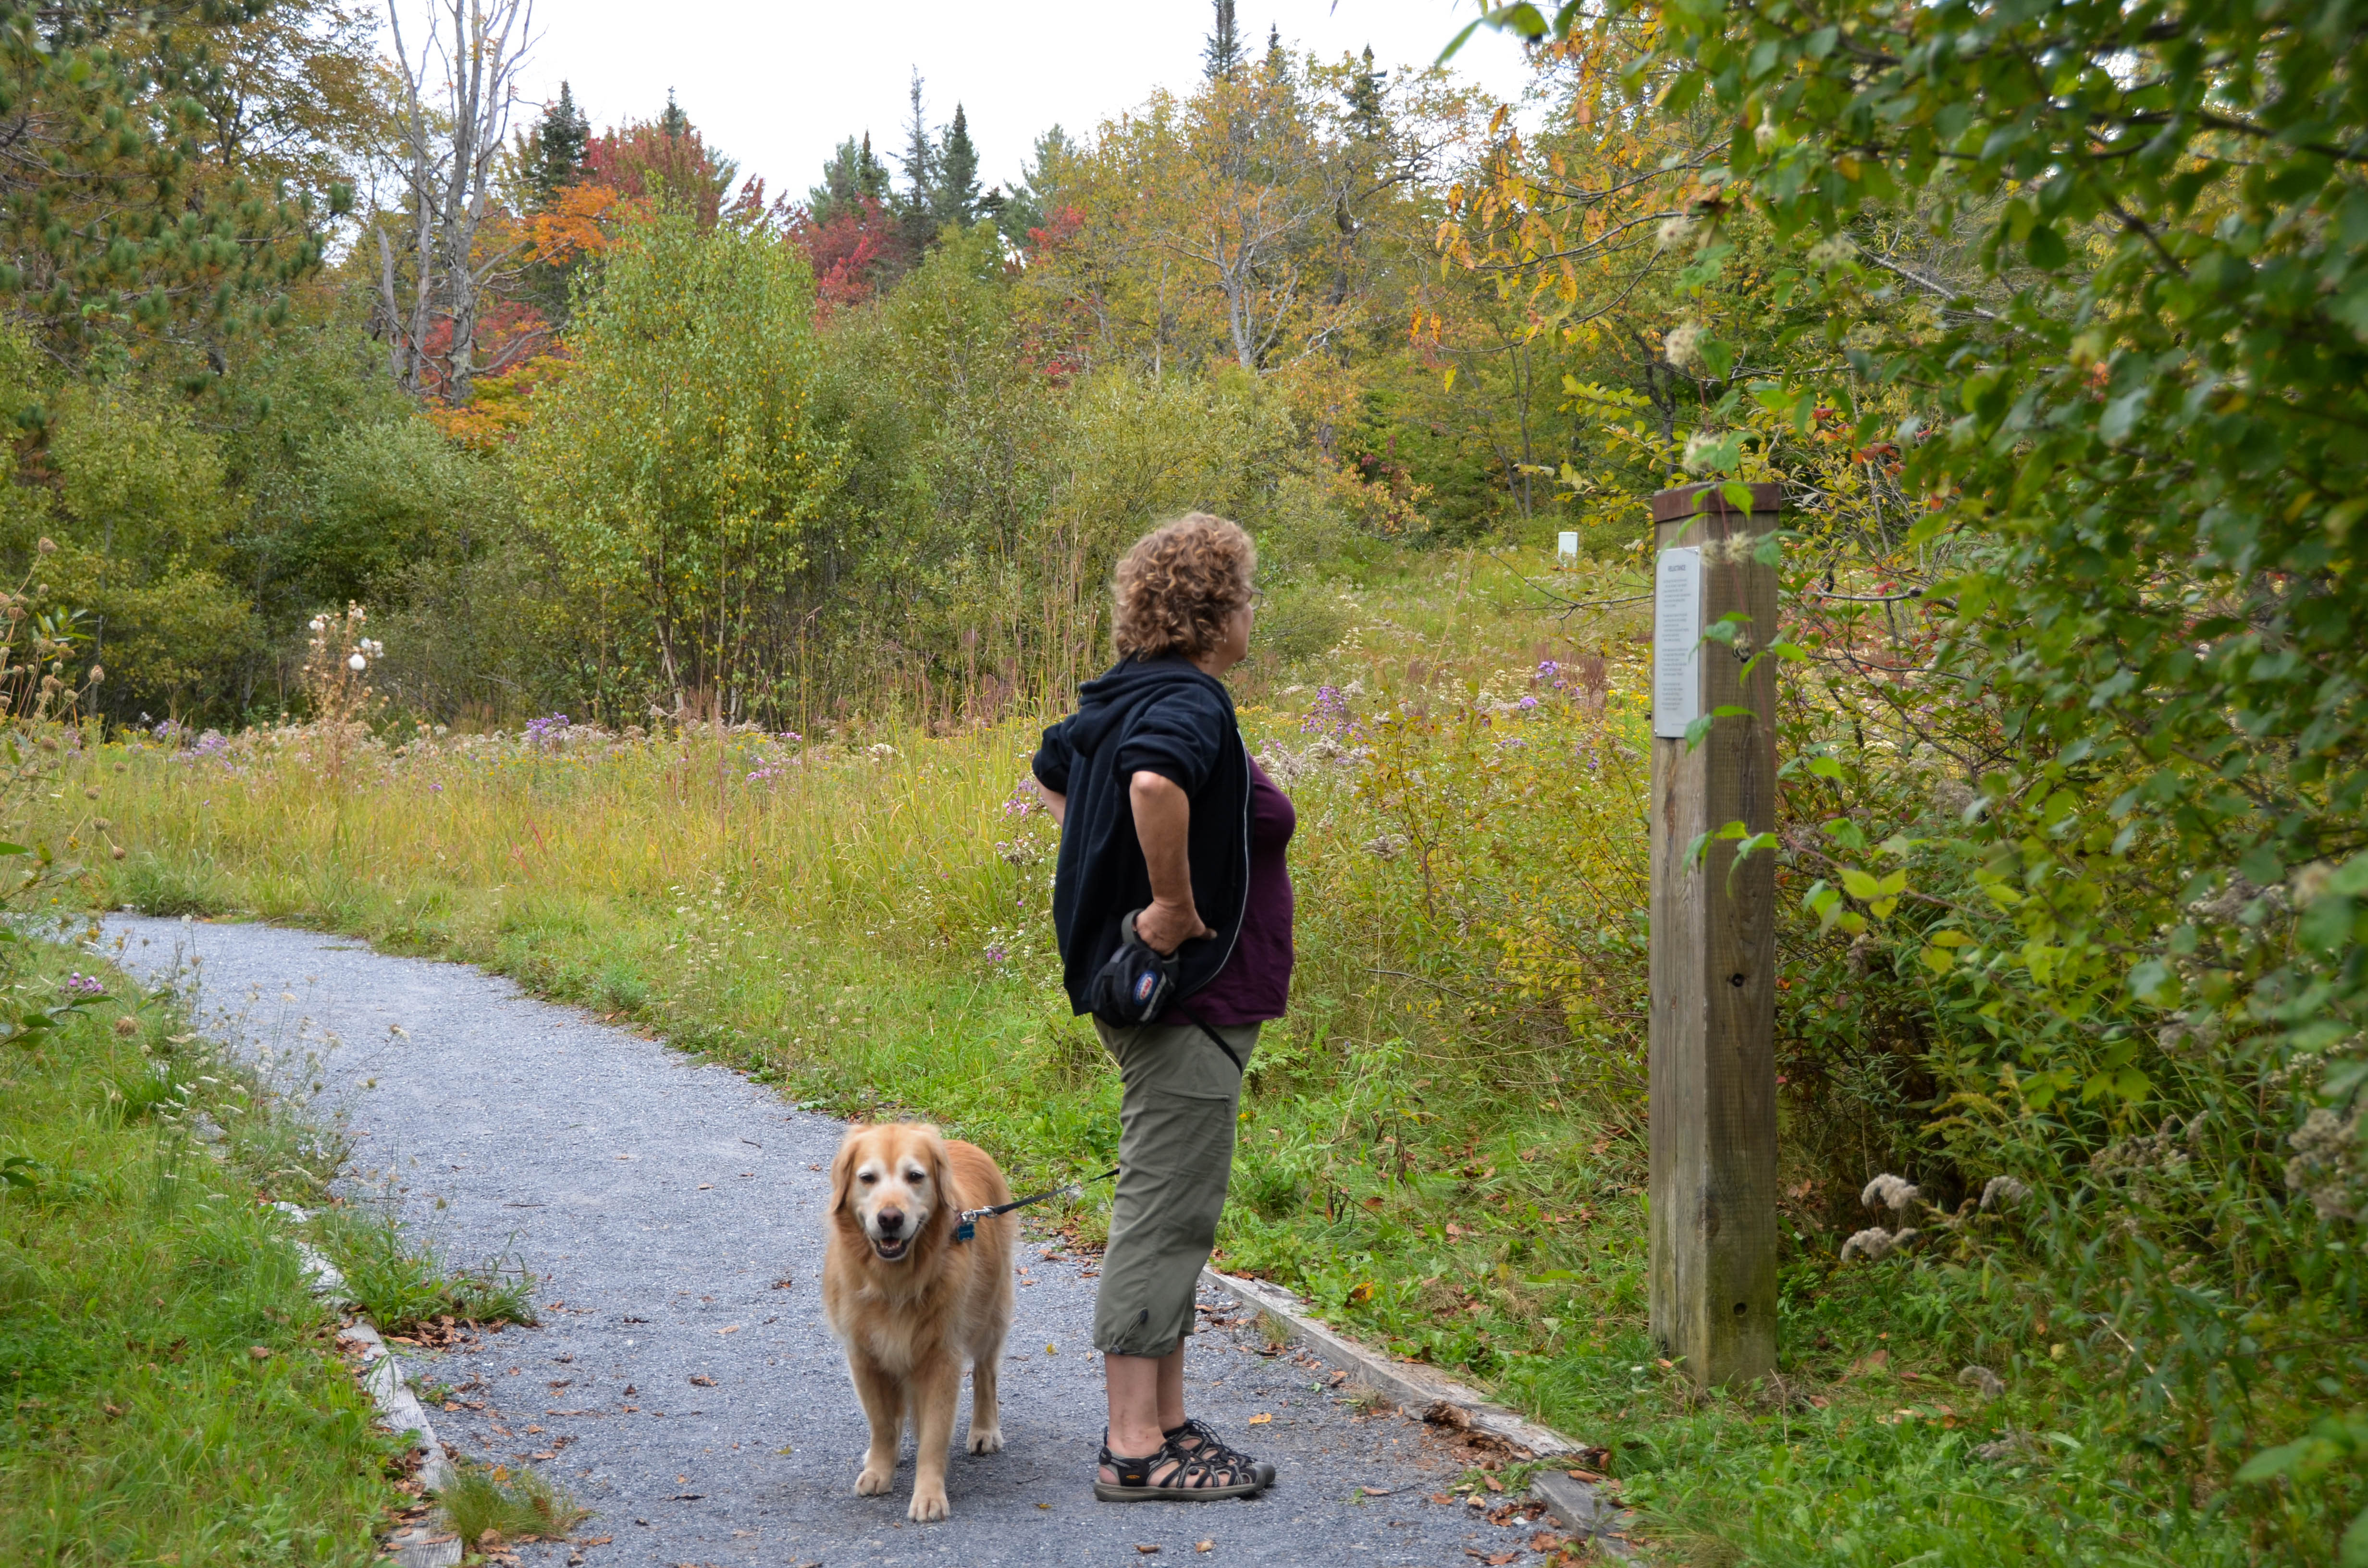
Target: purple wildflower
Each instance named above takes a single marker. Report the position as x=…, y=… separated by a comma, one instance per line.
x=1527, y=703
x=996, y=953
x=1330, y=714
x=1547, y=669
x=82, y=985
x=542, y=732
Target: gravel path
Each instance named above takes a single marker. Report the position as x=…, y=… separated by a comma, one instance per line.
x=682, y=1383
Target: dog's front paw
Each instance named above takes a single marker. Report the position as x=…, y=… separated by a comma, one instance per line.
x=928, y=1505
x=987, y=1439
x=875, y=1480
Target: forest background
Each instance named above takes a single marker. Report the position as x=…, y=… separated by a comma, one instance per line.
x=544, y=545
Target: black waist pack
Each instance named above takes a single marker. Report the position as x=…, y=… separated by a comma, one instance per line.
x=1134, y=986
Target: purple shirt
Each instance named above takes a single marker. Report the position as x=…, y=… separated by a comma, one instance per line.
x=1254, y=984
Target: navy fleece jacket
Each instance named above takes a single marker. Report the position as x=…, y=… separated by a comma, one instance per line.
x=1169, y=717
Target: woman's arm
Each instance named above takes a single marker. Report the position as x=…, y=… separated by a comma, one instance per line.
x=1055, y=802
x=1163, y=821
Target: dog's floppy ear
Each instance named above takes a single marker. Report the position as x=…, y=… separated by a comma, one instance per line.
x=942, y=1175
x=842, y=1170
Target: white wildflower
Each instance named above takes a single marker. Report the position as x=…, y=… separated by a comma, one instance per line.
x=2002, y=1192
x=1832, y=251
x=2325, y=1167
x=1388, y=847
x=1682, y=347
x=356, y=663
x=1895, y=1193
x=1872, y=1244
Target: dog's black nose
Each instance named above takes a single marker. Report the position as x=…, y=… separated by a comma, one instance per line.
x=892, y=1221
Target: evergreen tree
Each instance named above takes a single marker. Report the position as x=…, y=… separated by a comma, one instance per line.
x=1365, y=109
x=954, y=192
x=1034, y=199
x=674, y=122
x=1278, y=64
x=1222, y=55
x=554, y=148
x=917, y=206
x=852, y=177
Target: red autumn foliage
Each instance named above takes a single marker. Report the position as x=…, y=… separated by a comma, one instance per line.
x=852, y=254
x=641, y=157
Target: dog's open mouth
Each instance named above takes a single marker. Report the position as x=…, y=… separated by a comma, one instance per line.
x=892, y=1249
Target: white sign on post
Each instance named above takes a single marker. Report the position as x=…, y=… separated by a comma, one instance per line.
x=1566, y=545
x=1677, y=642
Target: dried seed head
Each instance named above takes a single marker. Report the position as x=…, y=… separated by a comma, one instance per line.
x=1871, y=1243
x=2003, y=1192
x=1895, y=1193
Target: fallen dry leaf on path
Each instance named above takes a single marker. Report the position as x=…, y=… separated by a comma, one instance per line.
x=733, y=1329
x=1147, y=1551
x=1203, y=1545
x=1261, y=1418
x=702, y=1380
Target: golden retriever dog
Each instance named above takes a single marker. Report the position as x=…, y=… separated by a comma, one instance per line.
x=912, y=1305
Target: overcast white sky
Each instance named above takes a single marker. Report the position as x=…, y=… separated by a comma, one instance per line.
x=777, y=86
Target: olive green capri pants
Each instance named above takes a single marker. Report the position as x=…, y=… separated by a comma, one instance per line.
x=1175, y=1153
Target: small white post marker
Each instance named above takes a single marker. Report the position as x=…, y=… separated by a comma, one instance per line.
x=1566, y=546
x=1677, y=642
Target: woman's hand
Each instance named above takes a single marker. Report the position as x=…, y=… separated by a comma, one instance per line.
x=1163, y=823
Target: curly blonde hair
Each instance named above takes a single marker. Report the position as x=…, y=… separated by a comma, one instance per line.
x=1179, y=584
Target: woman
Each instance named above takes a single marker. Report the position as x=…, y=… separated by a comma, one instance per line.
x=1166, y=819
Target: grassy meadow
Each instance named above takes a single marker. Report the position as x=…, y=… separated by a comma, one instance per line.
x=170, y=1391
x=1442, y=1146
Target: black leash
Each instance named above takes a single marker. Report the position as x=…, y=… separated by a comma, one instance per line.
x=966, y=1226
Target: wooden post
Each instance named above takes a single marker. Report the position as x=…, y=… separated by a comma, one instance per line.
x=1713, y=942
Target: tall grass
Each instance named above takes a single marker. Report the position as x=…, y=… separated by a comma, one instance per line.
x=169, y=1390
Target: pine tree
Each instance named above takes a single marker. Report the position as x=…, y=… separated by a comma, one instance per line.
x=852, y=177
x=1035, y=197
x=555, y=147
x=1278, y=64
x=954, y=193
x=674, y=122
x=1365, y=110
x=917, y=206
x=1222, y=56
